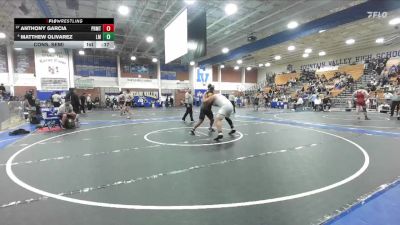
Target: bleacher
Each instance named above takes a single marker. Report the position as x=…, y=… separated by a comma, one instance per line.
x=282, y=79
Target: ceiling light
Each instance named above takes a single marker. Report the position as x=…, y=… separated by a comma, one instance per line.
x=149, y=39
x=191, y=63
x=291, y=48
x=225, y=50
x=222, y=66
x=230, y=9
x=350, y=41
x=277, y=57
x=322, y=53
x=305, y=55
x=321, y=31
x=123, y=10
x=154, y=60
x=192, y=45
x=260, y=65
x=380, y=40
x=248, y=68
x=51, y=50
x=81, y=52
x=190, y=2
x=292, y=24
x=308, y=50
x=394, y=21
x=239, y=61
x=2, y=35
x=133, y=58
x=17, y=49
x=267, y=64
x=236, y=67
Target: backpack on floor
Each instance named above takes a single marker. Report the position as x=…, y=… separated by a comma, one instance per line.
x=18, y=132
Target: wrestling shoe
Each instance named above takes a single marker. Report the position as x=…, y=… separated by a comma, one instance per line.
x=220, y=136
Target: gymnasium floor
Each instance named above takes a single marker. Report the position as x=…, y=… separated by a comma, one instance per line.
x=280, y=168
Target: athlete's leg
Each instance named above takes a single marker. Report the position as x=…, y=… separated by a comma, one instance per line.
x=218, y=124
x=231, y=125
x=210, y=116
x=365, y=112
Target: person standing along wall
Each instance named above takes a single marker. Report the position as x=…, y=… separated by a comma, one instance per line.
x=83, y=102
x=188, y=105
x=89, y=102
x=75, y=102
x=395, y=101
x=171, y=101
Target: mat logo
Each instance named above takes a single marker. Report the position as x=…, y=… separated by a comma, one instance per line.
x=202, y=76
x=378, y=15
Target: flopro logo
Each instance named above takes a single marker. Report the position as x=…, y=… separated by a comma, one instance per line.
x=378, y=15
x=202, y=76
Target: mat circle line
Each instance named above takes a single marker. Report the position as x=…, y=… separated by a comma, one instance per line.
x=184, y=144
x=28, y=187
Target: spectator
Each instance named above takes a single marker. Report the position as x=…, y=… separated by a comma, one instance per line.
x=317, y=103
x=33, y=107
x=89, y=102
x=2, y=91
x=388, y=97
x=299, y=103
x=395, y=101
x=75, y=102
x=30, y=98
x=327, y=103
x=66, y=112
x=2, y=88
x=56, y=99
x=167, y=102
x=379, y=68
x=82, y=99
x=171, y=101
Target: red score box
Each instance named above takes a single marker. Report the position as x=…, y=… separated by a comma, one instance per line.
x=108, y=27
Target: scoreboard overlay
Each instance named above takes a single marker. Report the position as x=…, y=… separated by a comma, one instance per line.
x=64, y=33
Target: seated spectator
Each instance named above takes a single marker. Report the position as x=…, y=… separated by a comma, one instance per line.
x=326, y=103
x=66, y=112
x=379, y=68
x=393, y=71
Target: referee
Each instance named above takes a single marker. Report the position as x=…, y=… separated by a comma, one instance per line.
x=188, y=105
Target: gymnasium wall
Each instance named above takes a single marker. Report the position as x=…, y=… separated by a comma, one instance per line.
x=101, y=70
x=228, y=74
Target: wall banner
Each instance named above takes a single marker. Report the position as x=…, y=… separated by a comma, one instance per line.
x=51, y=65
x=84, y=83
x=203, y=77
x=355, y=59
x=53, y=84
